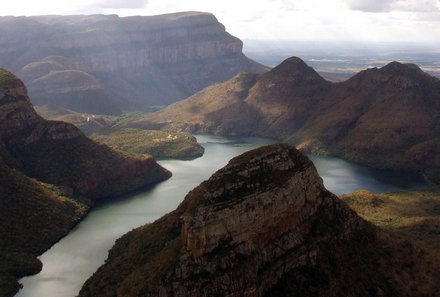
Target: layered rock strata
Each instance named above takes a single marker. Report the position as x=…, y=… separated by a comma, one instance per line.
x=264, y=225
x=105, y=64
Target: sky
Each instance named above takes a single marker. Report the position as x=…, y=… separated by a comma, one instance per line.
x=333, y=20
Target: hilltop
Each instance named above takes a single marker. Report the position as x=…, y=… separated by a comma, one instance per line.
x=383, y=117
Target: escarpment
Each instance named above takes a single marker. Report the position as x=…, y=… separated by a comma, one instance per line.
x=47, y=168
x=59, y=153
x=105, y=64
x=264, y=225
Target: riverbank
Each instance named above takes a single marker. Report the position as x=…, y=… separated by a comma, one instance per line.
x=77, y=256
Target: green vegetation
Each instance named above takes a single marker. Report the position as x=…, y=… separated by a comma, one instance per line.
x=6, y=78
x=23, y=233
x=87, y=122
x=34, y=215
x=159, y=144
x=127, y=118
x=109, y=130
x=413, y=215
x=90, y=169
x=141, y=257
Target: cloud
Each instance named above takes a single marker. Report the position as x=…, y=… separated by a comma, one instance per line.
x=394, y=5
x=121, y=4
x=370, y=5
x=417, y=5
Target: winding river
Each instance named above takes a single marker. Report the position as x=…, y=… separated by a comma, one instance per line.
x=70, y=262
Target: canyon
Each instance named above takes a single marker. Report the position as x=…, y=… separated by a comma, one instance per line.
x=263, y=225
x=50, y=175
x=105, y=64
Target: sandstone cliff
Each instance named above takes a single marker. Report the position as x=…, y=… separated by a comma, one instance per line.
x=33, y=214
x=102, y=64
x=385, y=117
x=264, y=225
x=59, y=153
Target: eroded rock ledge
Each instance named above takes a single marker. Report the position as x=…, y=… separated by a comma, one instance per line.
x=264, y=225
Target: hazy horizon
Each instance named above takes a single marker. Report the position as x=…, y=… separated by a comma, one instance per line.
x=300, y=20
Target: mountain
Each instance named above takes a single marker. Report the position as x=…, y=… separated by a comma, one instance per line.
x=105, y=64
x=33, y=216
x=387, y=117
x=49, y=172
x=264, y=225
x=59, y=153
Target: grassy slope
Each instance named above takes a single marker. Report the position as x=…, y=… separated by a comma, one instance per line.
x=23, y=233
x=107, y=130
x=159, y=144
x=413, y=215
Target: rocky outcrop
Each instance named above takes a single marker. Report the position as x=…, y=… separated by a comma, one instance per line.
x=385, y=117
x=34, y=215
x=102, y=64
x=264, y=225
x=59, y=153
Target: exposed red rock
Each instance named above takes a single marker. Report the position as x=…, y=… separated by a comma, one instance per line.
x=264, y=225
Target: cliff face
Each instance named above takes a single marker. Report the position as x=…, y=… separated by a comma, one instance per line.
x=88, y=62
x=385, y=117
x=33, y=214
x=59, y=153
x=258, y=227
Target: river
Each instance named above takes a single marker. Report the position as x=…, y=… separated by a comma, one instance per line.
x=70, y=262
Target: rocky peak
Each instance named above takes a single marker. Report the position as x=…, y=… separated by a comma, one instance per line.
x=16, y=111
x=264, y=214
x=397, y=75
x=10, y=85
x=295, y=69
x=261, y=180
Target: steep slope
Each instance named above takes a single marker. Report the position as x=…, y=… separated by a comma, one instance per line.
x=217, y=109
x=105, y=64
x=59, y=153
x=33, y=216
x=264, y=225
x=387, y=117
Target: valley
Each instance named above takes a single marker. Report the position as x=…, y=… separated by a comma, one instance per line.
x=105, y=223
x=267, y=150
x=384, y=117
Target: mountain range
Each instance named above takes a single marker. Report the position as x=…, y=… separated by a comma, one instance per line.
x=104, y=64
x=384, y=117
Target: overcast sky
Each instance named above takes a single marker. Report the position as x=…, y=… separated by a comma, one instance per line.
x=364, y=20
